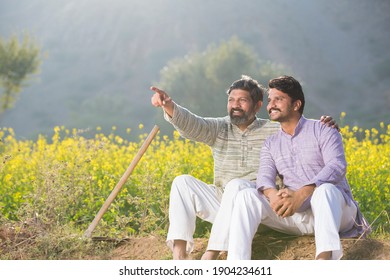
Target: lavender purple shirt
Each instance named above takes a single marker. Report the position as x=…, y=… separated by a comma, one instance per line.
x=313, y=155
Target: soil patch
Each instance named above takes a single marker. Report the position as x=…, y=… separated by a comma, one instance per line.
x=266, y=246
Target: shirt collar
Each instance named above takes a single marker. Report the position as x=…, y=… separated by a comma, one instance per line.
x=300, y=124
x=298, y=128
x=254, y=124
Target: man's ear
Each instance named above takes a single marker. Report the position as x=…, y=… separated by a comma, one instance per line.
x=297, y=105
x=258, y=106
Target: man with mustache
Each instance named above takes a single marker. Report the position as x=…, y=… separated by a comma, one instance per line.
x=235, y=141
x=316, y=198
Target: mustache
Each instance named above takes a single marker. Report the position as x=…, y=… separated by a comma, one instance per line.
x=236, y=110
x=273, y=109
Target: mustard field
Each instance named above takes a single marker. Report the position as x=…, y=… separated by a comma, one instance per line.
x=65, y=179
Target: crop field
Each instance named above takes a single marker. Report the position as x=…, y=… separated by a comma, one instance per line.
x=63, y=181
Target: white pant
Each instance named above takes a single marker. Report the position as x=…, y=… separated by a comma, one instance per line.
x=329, y=214
x=191, y=198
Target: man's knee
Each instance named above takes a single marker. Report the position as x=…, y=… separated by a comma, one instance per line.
x=325, y=191
x=246, y=195
x=182, y=181
x=235, y=185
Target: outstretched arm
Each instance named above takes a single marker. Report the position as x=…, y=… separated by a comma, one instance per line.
x=189, y=125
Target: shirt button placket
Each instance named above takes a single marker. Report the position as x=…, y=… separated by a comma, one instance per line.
x=244, y=150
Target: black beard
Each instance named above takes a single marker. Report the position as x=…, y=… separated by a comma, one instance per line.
x=238, y=120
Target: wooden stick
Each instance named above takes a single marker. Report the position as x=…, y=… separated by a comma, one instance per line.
x=121, y=182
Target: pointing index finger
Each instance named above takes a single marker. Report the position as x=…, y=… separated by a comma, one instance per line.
x=156, y=89
x=163, y=95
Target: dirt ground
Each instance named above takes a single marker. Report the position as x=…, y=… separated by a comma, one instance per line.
x=267, y=246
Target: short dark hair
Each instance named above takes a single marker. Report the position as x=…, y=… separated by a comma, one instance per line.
x=255, y=90
x=289, y=86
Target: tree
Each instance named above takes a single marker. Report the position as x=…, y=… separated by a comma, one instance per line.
x=18, y=61
x=199, y=80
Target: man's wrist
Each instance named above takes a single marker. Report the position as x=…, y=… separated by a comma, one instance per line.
x=306, y=191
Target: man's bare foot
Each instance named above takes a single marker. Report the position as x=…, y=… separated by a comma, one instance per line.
x=325, y=255
x=210, y=255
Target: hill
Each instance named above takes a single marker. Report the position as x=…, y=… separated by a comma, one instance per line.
x=102, y=56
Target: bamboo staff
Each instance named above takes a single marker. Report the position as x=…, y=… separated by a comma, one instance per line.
x=121, y=182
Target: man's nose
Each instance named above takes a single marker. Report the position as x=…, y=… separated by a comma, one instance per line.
x=236, y=104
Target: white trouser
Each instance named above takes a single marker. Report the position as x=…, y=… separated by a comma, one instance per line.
x=329, y=214
x=219, y=236
x=191, y=198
